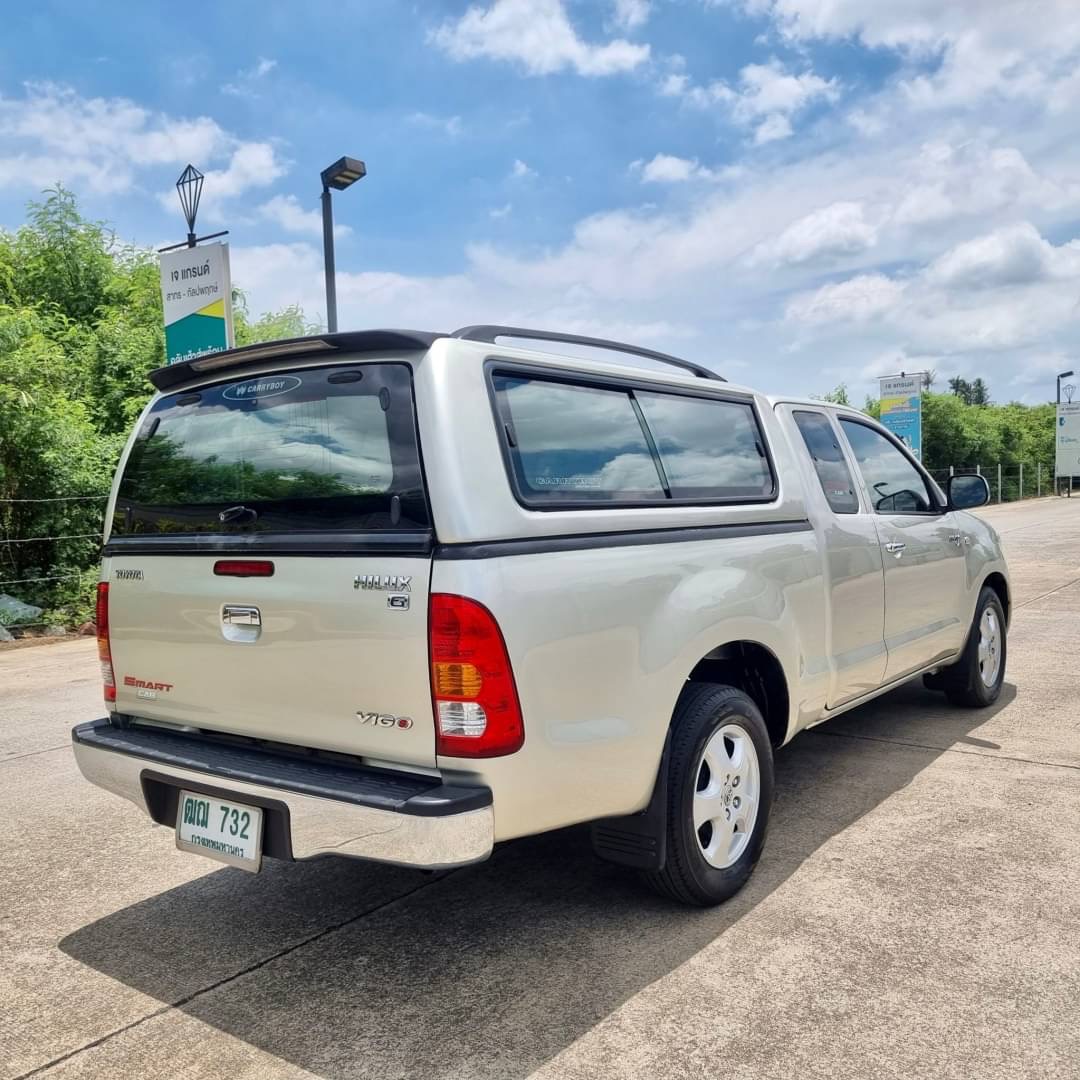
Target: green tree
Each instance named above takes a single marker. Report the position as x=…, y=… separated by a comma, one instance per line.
x=80, y=329
x=838, y=395
x=980, y=393
x=290, y=322
x=961, y=388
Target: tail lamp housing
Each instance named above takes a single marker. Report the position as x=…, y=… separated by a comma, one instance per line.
x=477, y=711
x=101, y=621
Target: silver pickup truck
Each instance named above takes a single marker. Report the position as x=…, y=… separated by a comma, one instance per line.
x=401, y=596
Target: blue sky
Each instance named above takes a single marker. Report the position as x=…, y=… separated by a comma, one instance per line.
x=796, y=192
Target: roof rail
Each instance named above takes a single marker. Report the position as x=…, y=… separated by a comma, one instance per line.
x=490, y=333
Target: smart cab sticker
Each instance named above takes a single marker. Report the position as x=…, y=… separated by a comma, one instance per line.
x=266, y=387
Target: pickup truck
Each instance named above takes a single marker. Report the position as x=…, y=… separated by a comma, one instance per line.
x=401, y=596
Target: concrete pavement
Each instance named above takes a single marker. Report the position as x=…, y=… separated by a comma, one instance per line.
x=915, y=913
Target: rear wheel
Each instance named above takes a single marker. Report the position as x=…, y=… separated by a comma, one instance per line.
x=975, y=680
x=720, y=784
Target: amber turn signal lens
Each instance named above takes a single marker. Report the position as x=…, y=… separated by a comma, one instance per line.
x=456, y=680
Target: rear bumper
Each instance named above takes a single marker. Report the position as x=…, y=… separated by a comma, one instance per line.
x=312, y=808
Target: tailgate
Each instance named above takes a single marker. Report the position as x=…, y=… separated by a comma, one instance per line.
x=269, y=562
x=312, y=659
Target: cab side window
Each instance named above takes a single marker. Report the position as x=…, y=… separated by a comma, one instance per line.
x=895, y=485
x=829, y=464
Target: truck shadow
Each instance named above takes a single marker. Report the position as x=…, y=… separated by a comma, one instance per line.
x=354, y=970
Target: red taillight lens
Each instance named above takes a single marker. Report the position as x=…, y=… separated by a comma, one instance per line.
x=477, y=713
x=244, y=568
x=104, y=652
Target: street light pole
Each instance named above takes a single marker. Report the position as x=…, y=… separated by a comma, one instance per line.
x=330, y=272
x=1063, y=375
x=342, y=174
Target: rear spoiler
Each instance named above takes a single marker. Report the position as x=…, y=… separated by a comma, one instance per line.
x=166, y=378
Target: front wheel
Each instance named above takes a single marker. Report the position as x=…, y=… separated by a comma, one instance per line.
x=975, y=680
x=720, y=786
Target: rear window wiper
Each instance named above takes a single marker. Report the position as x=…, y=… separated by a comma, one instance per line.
x=238, y=514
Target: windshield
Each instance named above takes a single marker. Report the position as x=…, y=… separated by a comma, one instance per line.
x=311, y=450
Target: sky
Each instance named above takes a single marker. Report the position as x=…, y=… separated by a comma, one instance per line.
x=795, y=193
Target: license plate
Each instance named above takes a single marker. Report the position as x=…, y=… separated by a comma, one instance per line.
x=227, y=831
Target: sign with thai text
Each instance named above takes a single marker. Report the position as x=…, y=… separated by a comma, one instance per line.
x=1067, y=439
x=197, y=294
x=901, y=409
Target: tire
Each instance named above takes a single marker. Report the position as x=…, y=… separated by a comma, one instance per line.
x=724, y=722
x=975, y=680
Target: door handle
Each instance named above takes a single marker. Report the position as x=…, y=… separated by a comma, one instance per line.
x=241, y=615
x=895, y=547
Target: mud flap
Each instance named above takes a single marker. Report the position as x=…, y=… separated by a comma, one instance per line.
x=638, y=840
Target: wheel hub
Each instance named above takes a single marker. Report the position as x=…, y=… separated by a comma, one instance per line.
x=726, y=795
x=989, y=652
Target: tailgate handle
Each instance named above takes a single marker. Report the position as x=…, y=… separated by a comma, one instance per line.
x=241, y=615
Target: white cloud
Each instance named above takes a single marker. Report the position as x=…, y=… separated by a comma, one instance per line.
x=53, y=134
x=855, y=300
x=630, y=14
x=837, y=230
x=972, y=178
x=773, y=127
x=668, y=169
x=675, y=84
x=765, y=99
x=1006, y=291
x=499, y=212
x=244, y=82
x=520, y=171
x=1012, y=255
x=538, y=35
x=286, y=212
x=449, y=125
x=976, y=49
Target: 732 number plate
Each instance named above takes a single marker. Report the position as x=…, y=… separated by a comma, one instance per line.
x=227, y=831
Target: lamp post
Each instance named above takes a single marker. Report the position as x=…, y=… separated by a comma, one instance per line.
x=342, y=174
x=1063, y=375
x=189, y=188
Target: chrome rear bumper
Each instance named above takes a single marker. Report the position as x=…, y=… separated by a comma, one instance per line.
x=389, y=817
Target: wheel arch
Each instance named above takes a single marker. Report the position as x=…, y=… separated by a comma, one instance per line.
x=997, y=582
x=756, y=670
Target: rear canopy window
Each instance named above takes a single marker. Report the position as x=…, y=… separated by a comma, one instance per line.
x=709, y=449
x=315, y=450
x=572, y=444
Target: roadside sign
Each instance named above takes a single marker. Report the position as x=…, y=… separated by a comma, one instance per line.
x=1067, y=439
x=901, y=409
x=197, y=294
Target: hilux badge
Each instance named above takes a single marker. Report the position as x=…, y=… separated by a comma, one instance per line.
x=384, y=582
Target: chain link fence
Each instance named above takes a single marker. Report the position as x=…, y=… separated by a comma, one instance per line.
x=1009, y=483
x=48, y=561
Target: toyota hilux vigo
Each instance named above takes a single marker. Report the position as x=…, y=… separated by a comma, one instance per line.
x=401, y=596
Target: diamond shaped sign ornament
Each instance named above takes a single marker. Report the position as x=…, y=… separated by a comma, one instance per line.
x=189, y=188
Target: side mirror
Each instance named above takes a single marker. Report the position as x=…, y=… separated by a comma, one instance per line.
x=967, y=491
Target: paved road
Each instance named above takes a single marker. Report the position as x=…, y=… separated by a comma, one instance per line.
x=915, y=913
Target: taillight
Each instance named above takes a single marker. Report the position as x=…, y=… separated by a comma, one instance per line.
x=104, y=652
x=477, y=713
x=244, y=568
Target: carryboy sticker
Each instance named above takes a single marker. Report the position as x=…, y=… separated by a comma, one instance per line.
x=269, y=386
